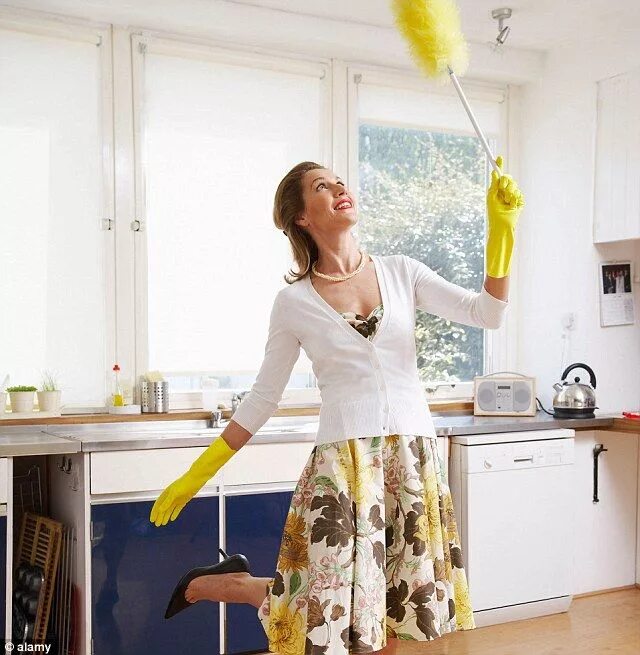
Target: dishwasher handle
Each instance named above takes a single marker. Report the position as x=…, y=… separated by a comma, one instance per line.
x=516, y=460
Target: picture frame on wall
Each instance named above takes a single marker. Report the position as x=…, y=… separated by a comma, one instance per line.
x=616, y=293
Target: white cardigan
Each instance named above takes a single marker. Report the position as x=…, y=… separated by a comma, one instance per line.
x=368, y=387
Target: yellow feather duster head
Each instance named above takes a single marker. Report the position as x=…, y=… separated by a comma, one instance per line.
x=432, y=28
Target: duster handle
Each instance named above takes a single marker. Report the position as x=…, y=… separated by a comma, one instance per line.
x=474, y=122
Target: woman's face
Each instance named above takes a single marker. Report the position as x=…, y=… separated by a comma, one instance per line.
x=328, y=204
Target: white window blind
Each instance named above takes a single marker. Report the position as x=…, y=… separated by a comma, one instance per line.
x=391, y=101
x=52, y=295
x=216, y=140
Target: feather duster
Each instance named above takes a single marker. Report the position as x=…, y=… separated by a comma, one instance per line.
x=437, y=45
x=436, y=42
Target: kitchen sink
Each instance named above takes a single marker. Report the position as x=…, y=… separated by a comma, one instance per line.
x=289, y=426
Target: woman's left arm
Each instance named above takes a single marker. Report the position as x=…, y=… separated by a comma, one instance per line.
x=498, y=287
x=437, y=296
x=487, y=308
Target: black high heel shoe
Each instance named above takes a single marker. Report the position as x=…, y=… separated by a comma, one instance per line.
x=234, y=564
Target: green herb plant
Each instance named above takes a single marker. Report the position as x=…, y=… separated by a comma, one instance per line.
x=49, y=382
x=21, y=388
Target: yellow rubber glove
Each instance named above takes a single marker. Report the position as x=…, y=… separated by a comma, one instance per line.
x=172, y=500
x=504, y=204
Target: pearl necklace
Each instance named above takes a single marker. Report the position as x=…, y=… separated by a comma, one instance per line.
x=341, y=278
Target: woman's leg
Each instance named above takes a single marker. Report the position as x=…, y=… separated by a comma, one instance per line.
x=228, y=588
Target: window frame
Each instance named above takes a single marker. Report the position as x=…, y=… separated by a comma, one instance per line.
x=143, y=43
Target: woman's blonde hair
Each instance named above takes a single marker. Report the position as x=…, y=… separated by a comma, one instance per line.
x=287, y=207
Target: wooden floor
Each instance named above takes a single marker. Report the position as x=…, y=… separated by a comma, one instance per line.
x=605, y=623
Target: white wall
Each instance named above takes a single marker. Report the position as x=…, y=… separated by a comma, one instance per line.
x=557, y=258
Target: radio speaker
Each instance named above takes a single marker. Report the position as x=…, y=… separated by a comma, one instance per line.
x=521, y=396
x=487, y=396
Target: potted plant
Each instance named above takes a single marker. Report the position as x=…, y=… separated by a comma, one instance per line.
x=49, y=395
x=21, y=398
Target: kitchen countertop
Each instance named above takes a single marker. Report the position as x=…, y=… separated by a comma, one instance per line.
x=94, y=438
x=81, y=419
x=18, y=442
x=471, y=424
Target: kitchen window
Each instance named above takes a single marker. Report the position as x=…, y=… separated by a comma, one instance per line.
x=217, y=130
x=56, y=196
x=421, y=178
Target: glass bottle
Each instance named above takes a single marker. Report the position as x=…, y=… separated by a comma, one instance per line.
x=118, y=398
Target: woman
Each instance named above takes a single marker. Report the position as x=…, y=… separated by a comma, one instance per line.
x=370, y=552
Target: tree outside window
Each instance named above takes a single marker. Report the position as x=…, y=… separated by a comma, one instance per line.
x=422, y=194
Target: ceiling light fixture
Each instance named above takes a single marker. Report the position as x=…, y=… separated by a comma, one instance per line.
x=503, y=30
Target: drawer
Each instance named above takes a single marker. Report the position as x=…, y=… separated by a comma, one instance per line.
x=125, y=471
x=4, y=480
x=152, y=470
x=274, y=462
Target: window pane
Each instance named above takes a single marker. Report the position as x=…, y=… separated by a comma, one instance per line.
x=217, y=140
x=422, y=194
x=52, y=296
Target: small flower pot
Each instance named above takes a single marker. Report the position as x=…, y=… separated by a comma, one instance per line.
x=21, y=401
x=49, y=401
x=3, y=402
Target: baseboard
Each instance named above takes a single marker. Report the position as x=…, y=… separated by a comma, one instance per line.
x=522, y=611
x=607, y=591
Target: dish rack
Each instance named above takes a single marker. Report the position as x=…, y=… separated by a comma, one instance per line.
x=65, y=608
x=38, y=548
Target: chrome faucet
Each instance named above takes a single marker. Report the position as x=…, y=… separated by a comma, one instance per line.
x=433, y=389
x=216, y=417
x=236, y=399
x=216, y=414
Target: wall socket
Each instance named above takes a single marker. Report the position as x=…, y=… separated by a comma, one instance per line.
x=569, y=321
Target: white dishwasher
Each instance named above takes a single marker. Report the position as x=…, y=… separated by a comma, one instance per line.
x=513, y=500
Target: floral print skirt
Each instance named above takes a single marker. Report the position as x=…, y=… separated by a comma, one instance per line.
x=370, y=551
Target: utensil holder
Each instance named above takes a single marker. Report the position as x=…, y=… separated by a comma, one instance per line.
x=154, y=397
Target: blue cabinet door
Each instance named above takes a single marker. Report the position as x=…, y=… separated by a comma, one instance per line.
x=254, y=526
x=134, y=568
x=3, y=573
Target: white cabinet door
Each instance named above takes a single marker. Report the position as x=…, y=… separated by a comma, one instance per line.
x=605, y=553
x=617, y=175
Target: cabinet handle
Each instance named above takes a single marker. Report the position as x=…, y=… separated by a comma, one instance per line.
x=599, y=448
x=523, y=459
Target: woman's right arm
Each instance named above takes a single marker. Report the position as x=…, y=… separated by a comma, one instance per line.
x=235, y=435
x=281, y=353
